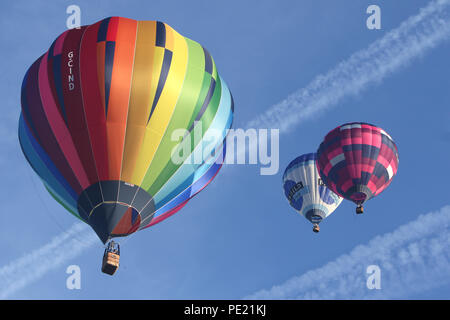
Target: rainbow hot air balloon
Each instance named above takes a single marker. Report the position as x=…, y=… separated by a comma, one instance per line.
x=306, y=192
x=357, y=161
x=102, y=111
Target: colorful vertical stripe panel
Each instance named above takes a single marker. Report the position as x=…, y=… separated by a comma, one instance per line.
x=102, y=112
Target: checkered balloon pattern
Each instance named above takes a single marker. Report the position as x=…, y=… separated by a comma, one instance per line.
x=357, y=161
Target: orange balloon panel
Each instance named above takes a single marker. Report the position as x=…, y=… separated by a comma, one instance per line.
x=99, y=113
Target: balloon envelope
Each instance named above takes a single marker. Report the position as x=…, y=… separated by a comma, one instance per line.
x=105, y=109
x=357, y=161
x=305, y=190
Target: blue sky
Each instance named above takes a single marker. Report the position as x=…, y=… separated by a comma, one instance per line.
x=239, y=235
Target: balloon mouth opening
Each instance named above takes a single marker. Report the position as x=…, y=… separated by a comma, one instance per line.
x=115, y=208
x=315, y=216
x=111, y=220
x=358, y=197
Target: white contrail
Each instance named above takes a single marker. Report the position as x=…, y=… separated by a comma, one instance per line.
x=398, y=48
x=34, y=265
x=412, y=259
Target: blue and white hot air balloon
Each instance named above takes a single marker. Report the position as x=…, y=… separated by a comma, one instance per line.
x=306, y=191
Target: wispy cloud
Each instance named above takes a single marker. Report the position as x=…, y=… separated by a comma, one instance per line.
x=36, y=264
x=413, y=258
x=397, y=49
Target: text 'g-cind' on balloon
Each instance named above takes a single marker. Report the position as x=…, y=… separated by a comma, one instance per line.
x=98, y=112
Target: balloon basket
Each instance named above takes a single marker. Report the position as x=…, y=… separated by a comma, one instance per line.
x=111, y=258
